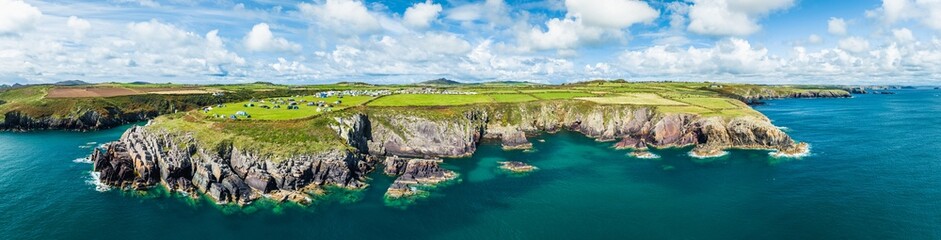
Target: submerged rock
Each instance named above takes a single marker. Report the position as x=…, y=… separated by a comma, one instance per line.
x=644, y=155
x=419, y=173
x=517, y=167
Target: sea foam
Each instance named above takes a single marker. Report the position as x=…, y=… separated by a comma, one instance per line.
x=803, y=153
x=82, y=160
x=95, y=180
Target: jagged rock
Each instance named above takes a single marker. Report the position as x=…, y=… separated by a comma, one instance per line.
x=631, y=142
x=419, y=172
x=517, y=167
x=411, y=136
x=394, y=165
x=260, y=181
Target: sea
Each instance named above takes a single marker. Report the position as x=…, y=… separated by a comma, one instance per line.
x=873, y=172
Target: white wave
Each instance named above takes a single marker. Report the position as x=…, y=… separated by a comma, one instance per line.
x=693, y=154
x=84, y=147
x=82, y=160
x=803, y=153
x=784, y=129
x=91, y=143
x=644, y=155
x=96, y=181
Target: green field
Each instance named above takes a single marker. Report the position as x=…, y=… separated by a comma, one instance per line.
x=256, y=111
x=633, y=99
x=560, y=95
x=711, y=103
x=708, y=99
x=400, y=100
x=511, y=98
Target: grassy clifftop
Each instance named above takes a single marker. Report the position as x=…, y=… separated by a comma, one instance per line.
x=70, y=102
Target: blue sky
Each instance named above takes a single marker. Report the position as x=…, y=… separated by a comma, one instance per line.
x=550, y=41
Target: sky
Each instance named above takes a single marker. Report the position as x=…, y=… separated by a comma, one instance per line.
x=546, y=41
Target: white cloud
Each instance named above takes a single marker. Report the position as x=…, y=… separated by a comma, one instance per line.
x=610, y=13
x=17, y=16
x=588, y=21
x=730, y=56
x=854, y=44
x=814, y=39
x=836, y=26
x=731, y=17
x=342, y=16
x=260, y=39
x=78, y=26
x=494, y=11
x=903, y=35
x=421, y=14
x=927, y=12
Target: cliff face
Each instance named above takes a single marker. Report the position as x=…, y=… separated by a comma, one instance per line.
x=767, y=94
x=88, y=120
x=145, y=157
x=635, y=127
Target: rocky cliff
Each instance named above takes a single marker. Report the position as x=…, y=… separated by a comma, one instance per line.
x=145, y=156
x=87, y=120
x=767, y=94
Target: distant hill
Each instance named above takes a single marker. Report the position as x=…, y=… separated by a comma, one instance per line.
x=510, y=83
x=440, y=81
x=71, y=83
x=140, y=83
x=264, y=83
x=354, y=83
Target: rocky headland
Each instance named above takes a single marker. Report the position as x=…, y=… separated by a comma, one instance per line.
x=410, y=144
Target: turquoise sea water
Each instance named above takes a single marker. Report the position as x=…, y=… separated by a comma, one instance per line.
x=874, y=173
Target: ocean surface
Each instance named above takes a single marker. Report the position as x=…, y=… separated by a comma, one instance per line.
x=874, y=173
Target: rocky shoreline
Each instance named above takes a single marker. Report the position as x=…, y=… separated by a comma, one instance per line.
x=409, y=146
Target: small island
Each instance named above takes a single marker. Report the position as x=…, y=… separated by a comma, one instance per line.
x=517, y=167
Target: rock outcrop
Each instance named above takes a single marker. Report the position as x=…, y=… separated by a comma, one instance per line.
x=769, y=94
x=419, y=173
x=87, y=120
x=144, y=157
x=517, y=167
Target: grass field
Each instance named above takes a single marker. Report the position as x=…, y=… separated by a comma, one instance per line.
x=634, y=99
x=511, y=98
x=400, y=100
x=711, y=103
x=560, y=95
x=258, y=113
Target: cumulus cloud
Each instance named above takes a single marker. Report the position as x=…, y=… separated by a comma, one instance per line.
x=492, y=11
x=927, y=12
x=260, y=39
x=421, y=14
x=588, y=21
x=854, y=44
x=730, y=56
x=731, y=17
x=78, y=25
x=342, y=16
x=836, y=26
x=814, y=39
x=903, y=35
x=610, y=13
x=17, y=16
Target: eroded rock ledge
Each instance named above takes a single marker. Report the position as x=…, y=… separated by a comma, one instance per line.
x=409, y=145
